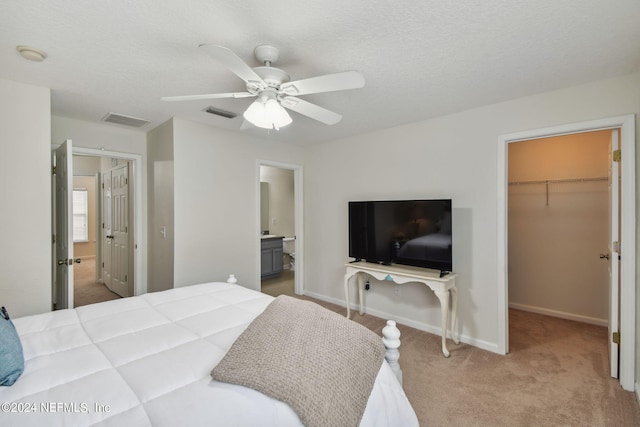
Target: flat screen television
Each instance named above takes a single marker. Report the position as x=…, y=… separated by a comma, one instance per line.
x=408, y=232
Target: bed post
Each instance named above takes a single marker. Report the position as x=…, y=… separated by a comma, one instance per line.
x=391, y=341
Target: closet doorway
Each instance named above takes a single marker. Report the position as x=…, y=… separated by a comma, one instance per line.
x=280, y=215
x=624, y=247
x=558, y=226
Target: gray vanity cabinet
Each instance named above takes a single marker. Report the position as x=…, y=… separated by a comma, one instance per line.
x=271, y=257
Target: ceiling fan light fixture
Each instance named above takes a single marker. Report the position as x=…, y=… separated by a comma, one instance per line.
x=267, y=114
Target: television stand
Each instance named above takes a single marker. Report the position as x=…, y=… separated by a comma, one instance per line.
x=444, y=286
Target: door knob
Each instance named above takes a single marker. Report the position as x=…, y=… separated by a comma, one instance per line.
x=77, y=260
x=62, y=262
x=604, y=256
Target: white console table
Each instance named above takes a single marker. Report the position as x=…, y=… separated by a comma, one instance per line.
x=443, y=287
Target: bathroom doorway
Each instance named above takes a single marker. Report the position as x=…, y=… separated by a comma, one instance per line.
x=280, y=206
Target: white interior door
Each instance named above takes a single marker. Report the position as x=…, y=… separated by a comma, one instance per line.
x=614, y=262
x=120, y=231
x=106, y=229
x=64, y=226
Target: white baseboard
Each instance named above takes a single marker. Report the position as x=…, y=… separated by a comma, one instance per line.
x=560, y=314
x=435, y=330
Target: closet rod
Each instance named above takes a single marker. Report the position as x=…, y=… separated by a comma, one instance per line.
x=560, y=181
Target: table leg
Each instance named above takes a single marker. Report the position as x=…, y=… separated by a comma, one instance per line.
x=444, y=311
x=361, y=291
x=454, y=314
x=346, y=293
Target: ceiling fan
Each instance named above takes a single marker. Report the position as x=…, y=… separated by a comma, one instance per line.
x=273, y=89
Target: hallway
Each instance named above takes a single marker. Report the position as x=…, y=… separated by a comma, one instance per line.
x=85, y=288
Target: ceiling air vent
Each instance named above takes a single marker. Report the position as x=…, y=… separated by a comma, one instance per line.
x=220, y=112
x=121, y=119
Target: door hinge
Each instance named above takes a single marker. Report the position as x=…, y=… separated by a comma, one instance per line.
x=616, y=247
x=103, y=265
x=125, y=277
x=53, y=238
x=617, y=155
x=53, y=170
x=616, y=338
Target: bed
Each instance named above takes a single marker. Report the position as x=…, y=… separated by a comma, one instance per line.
x=434, y=247
x=149, y=360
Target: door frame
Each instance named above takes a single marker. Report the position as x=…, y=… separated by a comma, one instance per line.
x=626, y=124
x=298, y=218
x=140, y=276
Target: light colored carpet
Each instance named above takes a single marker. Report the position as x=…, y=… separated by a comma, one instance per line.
x=555, y=375
x=85, y=289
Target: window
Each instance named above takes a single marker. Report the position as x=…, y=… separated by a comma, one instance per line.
x=80, y=215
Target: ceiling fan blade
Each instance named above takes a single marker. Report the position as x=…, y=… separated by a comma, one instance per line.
x=207, y=96
x=311, y=110
x=327, y=83
x=232, y=61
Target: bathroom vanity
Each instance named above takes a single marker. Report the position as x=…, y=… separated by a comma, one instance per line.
x=271, y=256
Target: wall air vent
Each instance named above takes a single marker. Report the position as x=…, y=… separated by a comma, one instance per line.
x=121, y=119
x=220, y=112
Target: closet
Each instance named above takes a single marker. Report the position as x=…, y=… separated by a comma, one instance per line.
x=558, y=226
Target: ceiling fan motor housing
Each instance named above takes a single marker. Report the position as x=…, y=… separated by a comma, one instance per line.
x=272, y=76
x=266, y=54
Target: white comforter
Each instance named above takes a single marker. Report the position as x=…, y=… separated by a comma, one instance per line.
x=147, y=360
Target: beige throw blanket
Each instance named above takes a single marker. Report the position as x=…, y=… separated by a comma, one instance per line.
x=318, y=362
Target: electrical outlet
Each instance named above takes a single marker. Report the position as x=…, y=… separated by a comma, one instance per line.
x=397, y=290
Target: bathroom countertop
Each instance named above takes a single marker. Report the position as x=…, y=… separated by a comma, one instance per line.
x=271, y=236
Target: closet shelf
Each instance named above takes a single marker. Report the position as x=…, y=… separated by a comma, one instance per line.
x=560, y=181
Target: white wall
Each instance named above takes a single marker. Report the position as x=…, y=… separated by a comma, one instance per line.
x=217, y=202
x=105, y=136
x=25, y=171
x=161, y=207
x=453, y=156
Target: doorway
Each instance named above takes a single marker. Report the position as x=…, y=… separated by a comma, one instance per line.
x=136, y=274
x=558, y=202
x=102, y=230
x=626, y=124
x=87, y=286
x=280, y=215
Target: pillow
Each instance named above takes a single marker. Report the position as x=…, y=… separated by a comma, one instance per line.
x=320, y=363
x=11, y=356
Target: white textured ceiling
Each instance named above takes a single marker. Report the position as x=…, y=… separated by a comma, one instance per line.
x=420, y=58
